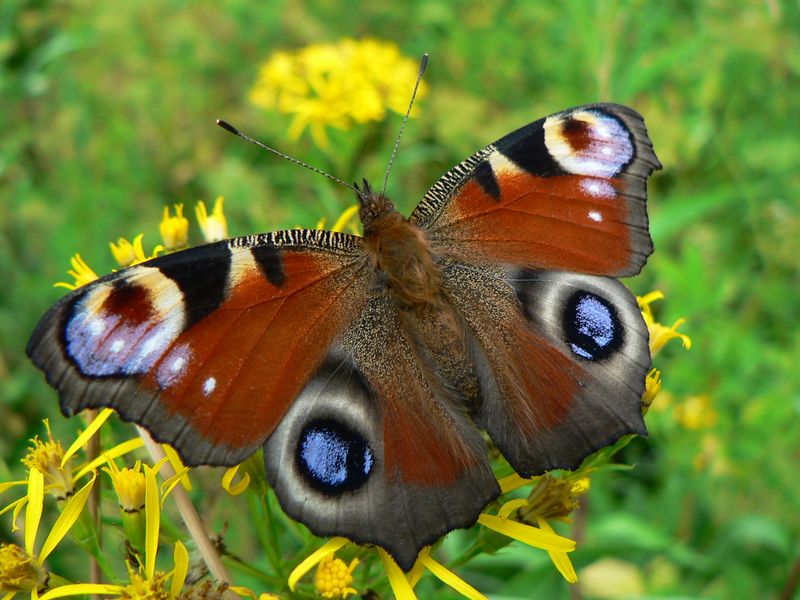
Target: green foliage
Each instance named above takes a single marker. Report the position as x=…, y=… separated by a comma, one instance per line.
x=108, y=113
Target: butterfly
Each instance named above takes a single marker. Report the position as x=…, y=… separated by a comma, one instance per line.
x=367, y=367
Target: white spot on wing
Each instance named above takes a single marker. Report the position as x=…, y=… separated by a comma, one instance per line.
x=595, y=216
x=209, y=385
x=117, y=345
x=96, y=325
x=174, y=366
x=598, y=188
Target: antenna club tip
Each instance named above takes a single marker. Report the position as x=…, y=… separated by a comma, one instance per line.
x=227, y=126
x=423, y=63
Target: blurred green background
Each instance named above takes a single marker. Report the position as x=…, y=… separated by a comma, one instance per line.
x=107, y=113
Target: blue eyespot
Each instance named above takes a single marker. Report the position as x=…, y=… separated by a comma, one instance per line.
x=332, y=457
x=591, y=326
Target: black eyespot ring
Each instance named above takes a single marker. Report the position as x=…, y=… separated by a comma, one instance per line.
x=332, y=457
x=592, y=327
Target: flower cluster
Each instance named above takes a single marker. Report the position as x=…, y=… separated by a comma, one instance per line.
x=335, y=85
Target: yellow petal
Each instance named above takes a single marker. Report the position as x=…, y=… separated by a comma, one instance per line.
x=512, y=482
x=451, y=579
x=81, y=589
x=236, y=488
x=177, y=465
x=115, y=452
x=170, y=484
x=311, y=561
x=181, y=559
x=7, y=485
x=10, y=595
x=152, y=514
x=69, y=514
x=345, y=218
x=560, y=559
x=532, y=536
x=84, y=437
x=400, y=586
x=510, y=506
x=33, y=513
x=16, y=505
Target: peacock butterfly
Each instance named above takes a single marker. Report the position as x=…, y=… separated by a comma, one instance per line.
x=366, y=367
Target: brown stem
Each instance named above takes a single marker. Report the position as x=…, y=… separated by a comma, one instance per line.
x=188, y=512
x=792, y=582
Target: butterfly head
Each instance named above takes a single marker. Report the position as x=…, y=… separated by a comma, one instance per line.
x=374, y=207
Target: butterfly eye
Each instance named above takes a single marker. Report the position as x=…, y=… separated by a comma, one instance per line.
x=332, y=457
x=591, y=326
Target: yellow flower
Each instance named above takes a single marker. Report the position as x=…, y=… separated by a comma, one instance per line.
x=144, y=583
x=552, y=498
x=128, y=254
x=174, y=229
x=48, y=458
x=81, y=272
x=402, y=584
x=21, y=569
x=334, y=577
x=19, y=572
x=214, y=226
x=660, y=334
x=652, y=385
x=335, y=85
x=696, y=412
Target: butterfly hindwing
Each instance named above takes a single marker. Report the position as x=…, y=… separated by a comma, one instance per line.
x=371, y=452
x=207, y=347
x=561, y=359
x=566, y=192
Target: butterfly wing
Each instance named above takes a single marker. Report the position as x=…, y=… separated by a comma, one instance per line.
x=372, y=452
x=561, y=360
x=208, y=347
x=566, y=192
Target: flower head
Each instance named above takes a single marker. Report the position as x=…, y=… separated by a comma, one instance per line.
x=174, y=229
x=80, y=271
x=19, y=571
x=335, y=85
x=48, y=458
x=128, y=254
x=214, y=226
x=142, y=587
x=129, y=484
x=334, y=577
x=660, y=334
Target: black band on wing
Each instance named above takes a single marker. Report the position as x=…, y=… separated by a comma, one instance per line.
x=270, y=262
x=202, y=280
x=484, y=175
x=526, y=148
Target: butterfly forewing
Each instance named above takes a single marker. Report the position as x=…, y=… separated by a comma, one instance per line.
x=208, y=347
x=566, y=192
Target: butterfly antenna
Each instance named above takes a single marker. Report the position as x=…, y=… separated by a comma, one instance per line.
x=228, y=127
x=422, y=64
